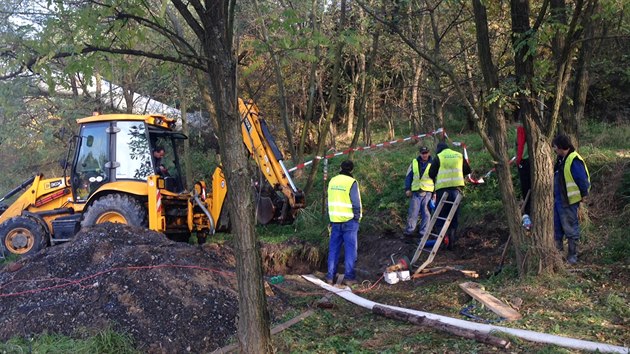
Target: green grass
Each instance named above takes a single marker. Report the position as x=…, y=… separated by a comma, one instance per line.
x=106, y=342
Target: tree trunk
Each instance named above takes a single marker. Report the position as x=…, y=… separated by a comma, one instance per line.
x=416, y=100
x=581, y=78
x=536, y=253
x=216, y=38
x=334, y=98
x=277, y=70
x=365, y=87
x=312, y=84
x=183, y=108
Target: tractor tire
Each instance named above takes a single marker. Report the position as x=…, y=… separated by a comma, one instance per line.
x=116, y=208
x=23, y=235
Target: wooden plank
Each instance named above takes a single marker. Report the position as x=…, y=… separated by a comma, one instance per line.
x=495, y=305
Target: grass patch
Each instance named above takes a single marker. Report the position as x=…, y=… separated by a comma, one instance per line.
x=104, y=342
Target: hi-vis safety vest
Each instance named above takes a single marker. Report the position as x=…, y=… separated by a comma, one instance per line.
x=425, y=182
x=339, y=203
x=573, y=191
x=450, y=173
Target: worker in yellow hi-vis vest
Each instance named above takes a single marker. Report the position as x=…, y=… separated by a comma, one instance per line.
x=419, y=187
x=571, y=185
x=344, y=211
x=447, y=170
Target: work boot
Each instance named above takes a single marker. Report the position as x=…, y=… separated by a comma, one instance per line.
x=559, y=246
x=572, y=254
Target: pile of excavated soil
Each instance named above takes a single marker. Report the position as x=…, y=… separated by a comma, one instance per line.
x=170, y=297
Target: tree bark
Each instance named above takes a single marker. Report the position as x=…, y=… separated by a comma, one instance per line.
x=215, y=31
x=277, y=70
x=535, y=253
x=440, y=326
x=581, y=78
x=334, y=99
x=312, y=84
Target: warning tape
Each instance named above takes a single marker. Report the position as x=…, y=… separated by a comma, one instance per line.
x=401, y=140
x=363, y=148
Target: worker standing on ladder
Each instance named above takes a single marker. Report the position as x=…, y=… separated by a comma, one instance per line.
x=419, y=186
x=447, y=170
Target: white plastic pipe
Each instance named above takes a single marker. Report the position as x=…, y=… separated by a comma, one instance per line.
x=347, y=294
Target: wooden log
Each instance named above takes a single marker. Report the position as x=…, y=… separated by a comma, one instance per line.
x=445, y=327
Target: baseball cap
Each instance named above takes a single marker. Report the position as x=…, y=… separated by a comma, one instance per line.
x=424, y=149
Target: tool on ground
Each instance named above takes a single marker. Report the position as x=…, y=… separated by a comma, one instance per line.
x=402, y=264
x=398, y=271
x=507, y=243
x=438, y=237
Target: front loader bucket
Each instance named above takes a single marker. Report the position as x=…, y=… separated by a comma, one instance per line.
x=265, y=210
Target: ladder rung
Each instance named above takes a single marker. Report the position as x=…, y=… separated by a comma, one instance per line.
x=436, y=235
x=448, y=202
x=440, y=218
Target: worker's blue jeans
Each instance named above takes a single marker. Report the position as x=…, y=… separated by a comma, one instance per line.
x=418, y=204
x=446, y=208
x=565, y=221
x=343, y=233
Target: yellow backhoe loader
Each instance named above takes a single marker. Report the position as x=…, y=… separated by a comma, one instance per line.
x=117, y=175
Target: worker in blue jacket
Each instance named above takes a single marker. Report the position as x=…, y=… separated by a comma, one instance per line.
x=571, y=185
x=345, y=212
x=419, y=187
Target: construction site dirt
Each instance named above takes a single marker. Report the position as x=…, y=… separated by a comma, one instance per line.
x=168, y=296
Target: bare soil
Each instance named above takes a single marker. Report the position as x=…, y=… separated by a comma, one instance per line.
x=168, y=296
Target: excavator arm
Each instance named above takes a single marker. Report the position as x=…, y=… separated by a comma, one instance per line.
x=278, y=199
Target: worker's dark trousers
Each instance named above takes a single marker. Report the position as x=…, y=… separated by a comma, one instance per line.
x=446, y=208
x=565, y=222
x=526, y=184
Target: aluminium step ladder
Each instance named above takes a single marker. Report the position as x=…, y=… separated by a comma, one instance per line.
x=440, y=235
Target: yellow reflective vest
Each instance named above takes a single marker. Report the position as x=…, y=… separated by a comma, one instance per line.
x=450, y=173
x=573, y=191
x=423, y=182
x=339, y=202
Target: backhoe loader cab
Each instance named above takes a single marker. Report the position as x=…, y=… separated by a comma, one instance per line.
x=115, y=148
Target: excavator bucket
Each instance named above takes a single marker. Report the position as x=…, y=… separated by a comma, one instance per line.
x=265, y=210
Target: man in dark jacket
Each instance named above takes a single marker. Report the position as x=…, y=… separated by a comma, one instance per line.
x=571, y=184
x=448, y=169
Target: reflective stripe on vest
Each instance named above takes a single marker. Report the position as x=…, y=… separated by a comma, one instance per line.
x=339, y=202
x=425, y=183
x=573, y=191
x=450, y=173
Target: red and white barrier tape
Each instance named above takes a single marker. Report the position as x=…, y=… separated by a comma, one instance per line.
x=373, y=146
x=389, y=143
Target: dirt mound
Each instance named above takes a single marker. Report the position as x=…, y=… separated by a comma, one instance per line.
x=170, y=297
